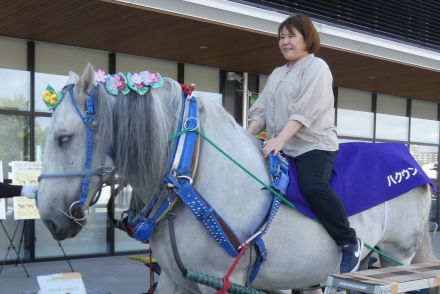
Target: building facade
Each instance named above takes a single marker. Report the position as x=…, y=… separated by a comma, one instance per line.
x=386, y=72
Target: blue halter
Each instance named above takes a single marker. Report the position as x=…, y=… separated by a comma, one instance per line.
x=89, y=121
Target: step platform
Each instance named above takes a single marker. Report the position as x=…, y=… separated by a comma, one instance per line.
x=389, y=280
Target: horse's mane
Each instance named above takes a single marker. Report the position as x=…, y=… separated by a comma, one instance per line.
x=143, y=125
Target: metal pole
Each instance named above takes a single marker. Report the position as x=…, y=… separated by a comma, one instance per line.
x=245, y=100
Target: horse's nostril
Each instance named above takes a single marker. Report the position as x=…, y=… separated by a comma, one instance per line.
x=78, y=213
x=52, y=226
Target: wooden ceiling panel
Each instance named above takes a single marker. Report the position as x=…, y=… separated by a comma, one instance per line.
x=118, y=27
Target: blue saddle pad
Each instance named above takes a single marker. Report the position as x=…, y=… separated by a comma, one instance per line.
x=365, y=175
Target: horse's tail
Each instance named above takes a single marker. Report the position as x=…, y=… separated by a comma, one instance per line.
x=425, y=252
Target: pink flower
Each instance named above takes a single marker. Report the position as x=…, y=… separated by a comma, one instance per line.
x=138, y=80
x=144, y=76
x=114, y=83
x=151, y=78
x=100, y=76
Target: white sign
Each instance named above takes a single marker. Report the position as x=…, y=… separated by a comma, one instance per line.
x=25, y=173
x=71, y=283
x=2, y=201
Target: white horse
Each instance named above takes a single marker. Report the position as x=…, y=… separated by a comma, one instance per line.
x=300, y=252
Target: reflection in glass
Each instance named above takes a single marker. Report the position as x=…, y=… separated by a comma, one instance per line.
x=392, y=127
x=14, y=140
x=41, y=127
x=123, y=242
x=355, y=123
x=41, y=82
x=424, y=130
x=341, y=141
x=11, y=226
x=90, y=241
x=14, y=89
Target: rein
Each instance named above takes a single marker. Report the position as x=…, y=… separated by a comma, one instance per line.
x=89, y=121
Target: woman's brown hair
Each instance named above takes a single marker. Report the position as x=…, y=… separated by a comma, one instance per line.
x=305, y=26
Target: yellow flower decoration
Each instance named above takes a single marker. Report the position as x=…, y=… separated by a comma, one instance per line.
x=51, y=97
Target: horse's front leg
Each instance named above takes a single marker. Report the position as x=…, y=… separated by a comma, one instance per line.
x=167, y=286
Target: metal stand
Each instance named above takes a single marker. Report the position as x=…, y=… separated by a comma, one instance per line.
x=389, y=280
x=21, y=242
x=12, y=246
x=65, y=257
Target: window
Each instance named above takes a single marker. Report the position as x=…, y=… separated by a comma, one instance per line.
x=15, y=89
x=123, y=242
x=14, y=124
x=424, y=123
x=355, y=118
x=391, y=120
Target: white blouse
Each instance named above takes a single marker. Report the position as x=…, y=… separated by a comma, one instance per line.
x=303, y=93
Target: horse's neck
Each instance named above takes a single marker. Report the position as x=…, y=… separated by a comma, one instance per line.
x=234, y=194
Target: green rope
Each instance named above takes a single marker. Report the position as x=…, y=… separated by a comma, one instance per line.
x=246, y=170
x=237, y=163
x=217, y=283
x=384, y=254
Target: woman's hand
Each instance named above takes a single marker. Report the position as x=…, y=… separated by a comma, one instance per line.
x=29, y=191
x=274, y=145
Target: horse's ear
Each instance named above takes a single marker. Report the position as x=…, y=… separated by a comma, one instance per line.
x=86, y=82
x=73, y=78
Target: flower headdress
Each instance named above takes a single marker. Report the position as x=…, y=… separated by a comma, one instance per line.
x=137, y=82
x=51, y=97
x=114, y=84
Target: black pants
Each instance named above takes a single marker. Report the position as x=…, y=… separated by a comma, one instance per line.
x=314, y=170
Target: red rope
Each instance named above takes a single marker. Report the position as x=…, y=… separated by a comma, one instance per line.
x=188, y=89
x=226, y=283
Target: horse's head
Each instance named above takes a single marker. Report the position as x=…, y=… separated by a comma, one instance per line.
x=76, y=155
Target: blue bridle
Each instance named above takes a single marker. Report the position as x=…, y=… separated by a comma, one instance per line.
x=89, y=121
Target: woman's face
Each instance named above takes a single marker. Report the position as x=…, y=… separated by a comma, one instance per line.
x=292, y=45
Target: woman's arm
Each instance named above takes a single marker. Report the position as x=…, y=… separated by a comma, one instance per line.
x=276, y=144
x=7, y=191
x=254, y=128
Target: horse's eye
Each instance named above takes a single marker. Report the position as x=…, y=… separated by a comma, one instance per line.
x=63, y=140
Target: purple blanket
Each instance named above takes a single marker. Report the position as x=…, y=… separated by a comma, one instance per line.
x=365, y=175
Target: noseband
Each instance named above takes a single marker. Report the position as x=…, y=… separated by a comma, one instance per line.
x=89, y=121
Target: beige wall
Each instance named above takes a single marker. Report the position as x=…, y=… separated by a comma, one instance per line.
x=354, y=99
x=58, y=59
x=206, y=78
x=424, y=109
x=130, y=63
x=13, y=53
x=391, y=104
